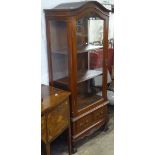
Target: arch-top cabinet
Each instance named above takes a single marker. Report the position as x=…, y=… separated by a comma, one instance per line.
x=77, y=44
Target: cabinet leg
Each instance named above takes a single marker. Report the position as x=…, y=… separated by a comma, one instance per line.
x=74, y=148
x=48, y=149
x=105, y=127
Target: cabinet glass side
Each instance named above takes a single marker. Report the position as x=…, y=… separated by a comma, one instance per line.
x=59, y=53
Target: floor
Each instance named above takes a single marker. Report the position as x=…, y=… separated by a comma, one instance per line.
x=100, y=143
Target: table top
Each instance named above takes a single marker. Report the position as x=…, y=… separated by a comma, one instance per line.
x=51, y=97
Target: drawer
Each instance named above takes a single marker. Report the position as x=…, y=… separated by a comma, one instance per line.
x=57, y=120
x=89, y=120
x=100, y=114
x=43, y=129
x=82, y=123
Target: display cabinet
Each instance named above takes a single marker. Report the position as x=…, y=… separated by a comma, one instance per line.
x=77, y=37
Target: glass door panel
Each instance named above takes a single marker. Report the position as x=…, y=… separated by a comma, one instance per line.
x=89, y=36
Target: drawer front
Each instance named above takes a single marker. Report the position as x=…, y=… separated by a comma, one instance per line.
x=43, y=129
x=82, y=123
x=89, y=120
x=57, y=120
x=100, y=114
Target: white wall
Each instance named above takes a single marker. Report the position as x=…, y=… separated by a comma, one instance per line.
x=48, y=4
x=111, y=26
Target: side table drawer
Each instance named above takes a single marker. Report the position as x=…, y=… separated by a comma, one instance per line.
x=57, y=120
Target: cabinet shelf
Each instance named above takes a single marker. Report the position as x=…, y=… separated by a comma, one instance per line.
x=87, y=48
x=85, y=101
x=81, y=49
x=82, y=76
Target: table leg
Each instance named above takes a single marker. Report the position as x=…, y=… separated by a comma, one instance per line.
x=69, y=141
x=48, y=149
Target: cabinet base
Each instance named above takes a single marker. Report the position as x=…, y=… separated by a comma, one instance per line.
x=105, y=127
x=74, y=149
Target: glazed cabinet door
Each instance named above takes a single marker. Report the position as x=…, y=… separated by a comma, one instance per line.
x=89, y=53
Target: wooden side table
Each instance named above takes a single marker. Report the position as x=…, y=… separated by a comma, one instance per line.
x=55, y=115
